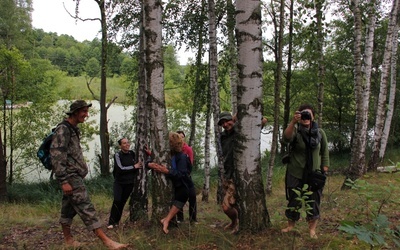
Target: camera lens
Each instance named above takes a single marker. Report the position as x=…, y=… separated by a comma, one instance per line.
x=305, y=115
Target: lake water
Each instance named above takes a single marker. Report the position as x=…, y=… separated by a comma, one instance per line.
x=118, y=114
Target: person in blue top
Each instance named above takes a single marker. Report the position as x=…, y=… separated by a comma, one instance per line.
x=178, y=173
x=125, y=169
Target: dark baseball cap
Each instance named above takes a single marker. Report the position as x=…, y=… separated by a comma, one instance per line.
x=224, y=116
x=78, y=104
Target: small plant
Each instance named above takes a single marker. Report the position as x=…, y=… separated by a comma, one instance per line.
x=303, y=197
x=376, y=231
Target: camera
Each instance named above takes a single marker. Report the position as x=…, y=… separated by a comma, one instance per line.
x=305, y=115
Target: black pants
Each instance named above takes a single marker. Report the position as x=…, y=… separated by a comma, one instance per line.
x=121, y=195
x=294, y=205
x=192, y=207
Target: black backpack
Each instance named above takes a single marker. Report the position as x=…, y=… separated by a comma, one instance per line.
x=43, y=152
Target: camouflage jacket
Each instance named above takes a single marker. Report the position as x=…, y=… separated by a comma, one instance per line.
x=66, y=154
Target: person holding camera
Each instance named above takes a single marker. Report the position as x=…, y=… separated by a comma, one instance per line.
x=178, y=173
x=307, y=164
x=125, y=170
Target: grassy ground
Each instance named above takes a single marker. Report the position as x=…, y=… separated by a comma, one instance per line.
x=34, y=224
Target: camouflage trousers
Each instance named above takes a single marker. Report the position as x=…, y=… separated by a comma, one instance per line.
x=78, y=203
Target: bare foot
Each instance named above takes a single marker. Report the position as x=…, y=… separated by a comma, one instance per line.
x=112, y=245
x=287, y=229
x=313, y=234
x=233, y=225
x=165, y=226
x=73, y=243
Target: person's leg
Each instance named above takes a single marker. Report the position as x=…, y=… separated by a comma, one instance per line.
x=315, y=213
x=192, y=205
x=294, y=205
x=228, y=206
x=165, y=221
x=115, y=214
x=109, y=243
x=81, y=202
x=180, y=216
x=67, y=215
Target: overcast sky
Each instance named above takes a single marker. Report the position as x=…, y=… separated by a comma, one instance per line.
x=51, y=16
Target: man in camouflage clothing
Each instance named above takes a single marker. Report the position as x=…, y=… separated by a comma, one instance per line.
x=70, y=169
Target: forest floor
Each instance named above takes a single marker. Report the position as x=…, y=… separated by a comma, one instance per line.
x=32, y=226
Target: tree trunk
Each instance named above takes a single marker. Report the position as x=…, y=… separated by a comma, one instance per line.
x=230, y=16
x=139, y=199
x=215, y=92
x=3, y=175
x=206, y=186
x=319, y=4
x=286, y=112
x=382, y=99
x=253, y=214
x=104, y=135
x=161, y=187
x=357, y=162
x=277, y=96
x=392, y=95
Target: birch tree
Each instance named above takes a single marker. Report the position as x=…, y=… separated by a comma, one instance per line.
x=161, y=188
x=361, y=91
x=253, y=214
x=280, y=24
x=383, y=90
x=392, y=94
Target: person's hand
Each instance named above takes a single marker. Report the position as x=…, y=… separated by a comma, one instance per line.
x=158, y=167
x=146, y=150
x=139, y=165
x=296, y=117
x=66, y=188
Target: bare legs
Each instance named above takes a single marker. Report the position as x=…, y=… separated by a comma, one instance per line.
x=232, y=213
x=69, y=240
x=165, y=221
x=312, y=225
x=289, y=227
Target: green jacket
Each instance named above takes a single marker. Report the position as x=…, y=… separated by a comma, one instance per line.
x=298, y=154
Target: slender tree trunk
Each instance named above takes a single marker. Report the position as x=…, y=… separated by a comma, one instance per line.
x=215, y=92
x=382, y=99
x=357, y=162
x=198, y=86
x=3, y=175
x=286, y=112
x=206, y=186
x=139, y=199
x=392, y=95
x=277, y=96
x=321, y=62
x=161, y=187
x=104, y=135
x=232, y=53
x=253, y=214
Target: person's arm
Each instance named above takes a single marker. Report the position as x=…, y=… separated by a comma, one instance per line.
x=290, y=129
x=324, y=152
x=59, y=153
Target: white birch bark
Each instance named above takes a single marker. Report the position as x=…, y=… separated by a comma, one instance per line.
x=251, y=197
x=161, y=192
x=382, y=99
x=392, y=94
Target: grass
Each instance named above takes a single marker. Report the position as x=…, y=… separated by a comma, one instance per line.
x=29, y=224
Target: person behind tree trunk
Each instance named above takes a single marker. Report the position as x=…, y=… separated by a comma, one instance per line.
x=227, y=137
x=186, y=149
x=125, y=170
x=178, y=173
x=302, y=126
x=70, y=169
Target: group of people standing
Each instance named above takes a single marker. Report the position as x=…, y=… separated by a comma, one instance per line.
x=308, y=152
x=70, y=169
